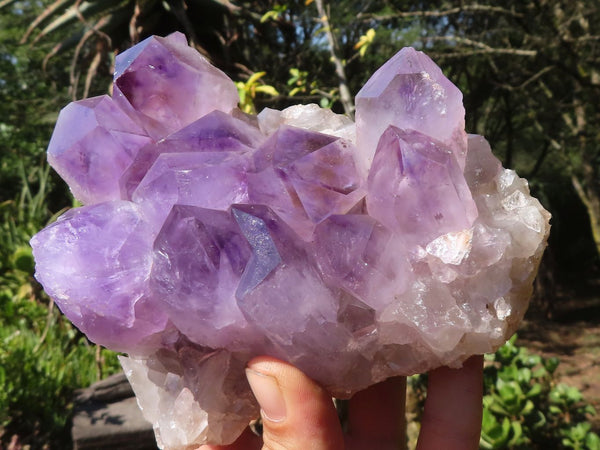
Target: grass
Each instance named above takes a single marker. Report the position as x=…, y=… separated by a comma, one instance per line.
x=43, y=358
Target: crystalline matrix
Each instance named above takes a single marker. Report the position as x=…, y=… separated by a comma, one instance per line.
x=354, y=251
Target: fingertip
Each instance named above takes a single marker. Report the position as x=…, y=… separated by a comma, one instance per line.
x=297, y=412
x=267, y=392
x=453, y=408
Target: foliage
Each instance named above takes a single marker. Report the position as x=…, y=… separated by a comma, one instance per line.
x=247, y=91
x=43, y=358
x=524, y=406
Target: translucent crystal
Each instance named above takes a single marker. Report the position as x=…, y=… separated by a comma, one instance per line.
x=94, y=142
x=355, y=252
x=167, y=85
x=410, y=92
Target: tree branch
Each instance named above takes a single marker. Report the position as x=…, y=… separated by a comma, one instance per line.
x=483, y=47
x=345, y=96
x=446, y=12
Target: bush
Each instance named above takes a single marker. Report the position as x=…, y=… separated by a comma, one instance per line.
x=523, y=405
x=43, y=358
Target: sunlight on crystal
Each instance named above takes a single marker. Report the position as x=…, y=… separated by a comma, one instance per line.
x=355, y=251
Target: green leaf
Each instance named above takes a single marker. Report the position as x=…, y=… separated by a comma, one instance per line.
x=22, y=259
x=325, y=102
x=267, y=89
x=539, y=420
x=592, y=441
x=529, y=406
x=535, y=390
x=554, y=409
x=517, y=433
x=551, y=364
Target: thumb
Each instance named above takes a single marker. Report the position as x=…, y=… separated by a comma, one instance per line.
x=297, y=413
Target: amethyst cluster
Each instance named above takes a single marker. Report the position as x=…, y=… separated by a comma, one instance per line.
x=355, y=251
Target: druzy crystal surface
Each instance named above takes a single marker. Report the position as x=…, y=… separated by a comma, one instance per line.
x=354, y=251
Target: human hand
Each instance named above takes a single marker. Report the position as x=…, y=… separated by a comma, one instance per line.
x=298, y=414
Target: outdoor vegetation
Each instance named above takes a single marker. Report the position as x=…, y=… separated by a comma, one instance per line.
x=530, y=74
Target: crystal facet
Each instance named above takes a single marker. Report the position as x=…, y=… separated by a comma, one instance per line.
x=167, y=85
x=94, y=142
x=208, y=237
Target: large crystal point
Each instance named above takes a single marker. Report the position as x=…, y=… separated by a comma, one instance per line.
x=95, y=263
x=199, y=258
x=168, y=85
x=409, y=91
x=417, y=188
x=209, y=237
x=93, y=144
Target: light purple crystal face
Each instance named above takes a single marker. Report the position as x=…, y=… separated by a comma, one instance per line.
x=95, y=262
x=418, y=188
x=356, y=253
x=305, y=177
x=167, y=85
x=410, y=92
x=94, y=142
x=215, y=133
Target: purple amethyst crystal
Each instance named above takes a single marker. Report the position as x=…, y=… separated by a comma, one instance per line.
x=428, y=196
x=410, y=92
x=166, y=85
x=95, y=262
x=356, y=253
x=94, y=142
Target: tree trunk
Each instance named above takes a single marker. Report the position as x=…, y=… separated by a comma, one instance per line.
x=590, y=197
x=345, y=96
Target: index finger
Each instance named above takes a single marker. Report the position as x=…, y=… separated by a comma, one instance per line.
x=376, y=417
x=453, y=409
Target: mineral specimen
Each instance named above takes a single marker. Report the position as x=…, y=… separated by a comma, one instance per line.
x=355, y=252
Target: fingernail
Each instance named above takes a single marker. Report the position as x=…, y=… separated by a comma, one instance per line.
x=267, y=393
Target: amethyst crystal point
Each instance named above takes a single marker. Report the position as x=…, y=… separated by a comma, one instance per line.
x=410, y=91
x=293, y=285
x=92, y=145
x=199, y=257
x=216, y=132
x=428, y=195
x=95, y=262
x=167, y=85
x=305, y=177
x=356, y=253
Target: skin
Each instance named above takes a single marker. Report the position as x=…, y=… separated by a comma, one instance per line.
x=306, y=419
